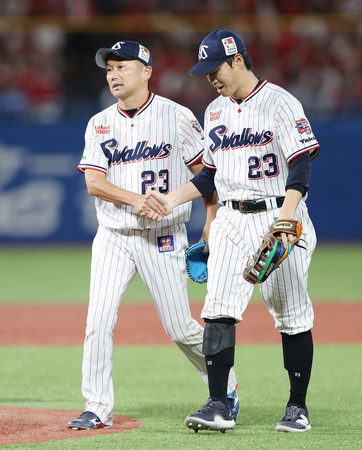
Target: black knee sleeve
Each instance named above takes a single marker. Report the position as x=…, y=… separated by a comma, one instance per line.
x=219, y=335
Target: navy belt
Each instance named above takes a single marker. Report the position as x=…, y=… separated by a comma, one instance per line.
x=255, y=206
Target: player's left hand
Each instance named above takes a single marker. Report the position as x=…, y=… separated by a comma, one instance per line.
x=287, y=238
x=158, y=204
x=272, y=251
x=205, y=238
x=151, y=209
x=284, y=237
x=196, y=258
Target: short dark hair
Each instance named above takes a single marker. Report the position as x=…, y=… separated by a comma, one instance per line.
x=247, y=61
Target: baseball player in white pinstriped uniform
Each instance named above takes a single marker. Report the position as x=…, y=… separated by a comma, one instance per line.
x=258, y=147
x=142, y=142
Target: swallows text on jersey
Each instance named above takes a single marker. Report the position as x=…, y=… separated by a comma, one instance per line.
x=142, y=151
x=247, y=138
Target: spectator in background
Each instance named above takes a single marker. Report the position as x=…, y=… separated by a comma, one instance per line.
x=318, y=64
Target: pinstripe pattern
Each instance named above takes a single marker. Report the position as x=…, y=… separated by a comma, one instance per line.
x=159, y=121
x=233, y=238
x=126, y=243
x=267, y=109
x=116, y=257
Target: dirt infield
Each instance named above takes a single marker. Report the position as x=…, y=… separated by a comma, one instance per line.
x=41, y=425
x=137, y=325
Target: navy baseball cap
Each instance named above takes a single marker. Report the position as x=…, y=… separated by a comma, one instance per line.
x=216, y=48
x=124, y=49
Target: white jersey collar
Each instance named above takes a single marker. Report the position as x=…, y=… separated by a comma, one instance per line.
x=252, y=93
x=140, y=110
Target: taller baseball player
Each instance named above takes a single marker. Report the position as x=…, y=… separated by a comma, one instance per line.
x=143, y=142
x=258, y=147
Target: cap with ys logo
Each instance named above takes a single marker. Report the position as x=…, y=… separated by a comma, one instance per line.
x=124, y=49
x=216, y=48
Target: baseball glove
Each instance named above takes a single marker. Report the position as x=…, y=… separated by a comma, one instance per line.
x=196, y=262
x=272, y=252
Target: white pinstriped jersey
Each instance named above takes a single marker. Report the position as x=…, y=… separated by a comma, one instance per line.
x=251, y=143
x=151, y=150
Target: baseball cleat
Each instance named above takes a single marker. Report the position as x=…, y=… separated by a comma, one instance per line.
x=212, y=416
x=233, y=404
x=295, y=419
x=86, y=421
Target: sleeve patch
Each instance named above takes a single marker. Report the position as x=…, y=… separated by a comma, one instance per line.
x=302, y=125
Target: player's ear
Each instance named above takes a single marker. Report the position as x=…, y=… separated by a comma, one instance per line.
x=239, y=61
x=147, y=72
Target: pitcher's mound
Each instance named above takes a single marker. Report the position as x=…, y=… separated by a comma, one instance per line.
x=26, y=425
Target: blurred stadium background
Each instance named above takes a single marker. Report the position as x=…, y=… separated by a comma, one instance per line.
x=50, y=87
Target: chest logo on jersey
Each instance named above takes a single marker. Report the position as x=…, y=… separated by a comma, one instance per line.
x=102, y=129
x=247, y=138
x=165, y=244
x=215, y=115
x=142, y=151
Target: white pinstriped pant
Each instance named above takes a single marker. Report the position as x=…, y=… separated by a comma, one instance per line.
x=116, y=258
x=233, y=238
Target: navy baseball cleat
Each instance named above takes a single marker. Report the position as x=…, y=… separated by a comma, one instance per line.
x=233, y=404
x=87, y=421
x=295, y=419
x=212, y=416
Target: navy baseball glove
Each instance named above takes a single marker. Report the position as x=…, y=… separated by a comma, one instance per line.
x=196, y=262
x=271, y=253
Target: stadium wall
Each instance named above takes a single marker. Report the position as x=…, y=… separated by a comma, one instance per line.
x=43, y=197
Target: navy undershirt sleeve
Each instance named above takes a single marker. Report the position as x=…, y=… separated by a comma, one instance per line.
x=204, y=181
x=299, y=174
x=298, y=178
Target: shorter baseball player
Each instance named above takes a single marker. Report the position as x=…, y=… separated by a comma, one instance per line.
x=258, y=148
x=143, y=142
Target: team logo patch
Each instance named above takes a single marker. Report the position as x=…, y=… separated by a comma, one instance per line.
x=165, y=244
x=302, y=125
x=202, y=52
x=144, y=54
x=118, y=45
x=229, y=46
x=195, y=124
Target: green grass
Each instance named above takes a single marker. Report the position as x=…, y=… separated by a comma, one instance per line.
x=158, y=387
x=61, y=274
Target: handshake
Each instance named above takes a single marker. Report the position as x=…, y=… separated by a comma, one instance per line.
x=155, y=206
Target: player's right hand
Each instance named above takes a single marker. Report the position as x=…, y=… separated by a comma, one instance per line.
x=151, y=209
x=163, y=202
